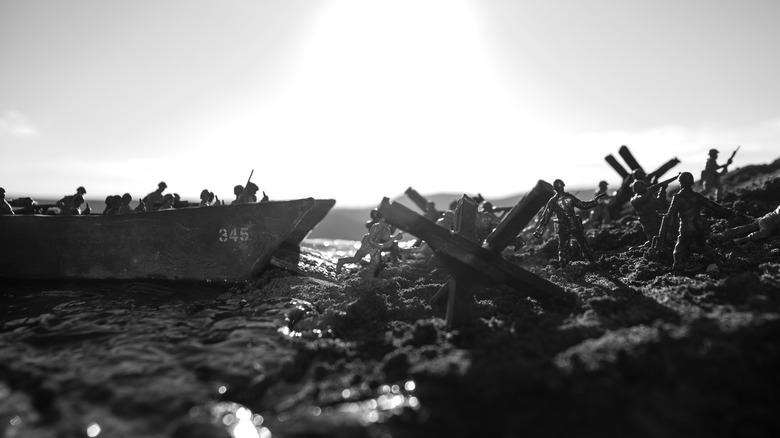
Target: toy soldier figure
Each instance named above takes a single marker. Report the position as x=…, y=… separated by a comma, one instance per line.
x=237, y=190
x=167, y=202
x=688, y=205
x=205, y=198
x=154, y=200
x=249, y=195
x=124, y=207
x=600, y=213
x=569, y=223
x=650, y=206
x=5, y=207
x=66, y=203
x=75, y=206
x=758, y=229
x=379, y=237
x=710, y=176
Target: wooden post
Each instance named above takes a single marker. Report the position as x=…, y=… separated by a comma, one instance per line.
x=628, y=157
x=520, y=216
x=617, y=166
x=658, y=173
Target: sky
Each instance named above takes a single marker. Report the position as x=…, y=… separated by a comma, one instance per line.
x=356, y=100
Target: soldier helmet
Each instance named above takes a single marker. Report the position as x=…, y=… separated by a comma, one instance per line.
x=639, y=174
x=686, y=179
x=603, y=184
x=713, y=152
x=2, y=190
x=162, y=185
x=81, y=190
x=639, y=187
x=252, y=187
x=204, y=193
x=558, y=185
x=237, y=190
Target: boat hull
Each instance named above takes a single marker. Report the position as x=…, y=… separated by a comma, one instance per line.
x=310, y=220
x=222, y=243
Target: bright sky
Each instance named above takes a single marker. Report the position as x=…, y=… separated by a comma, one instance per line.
x=360, y=99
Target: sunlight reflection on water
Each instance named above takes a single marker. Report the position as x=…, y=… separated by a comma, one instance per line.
x=391, y=400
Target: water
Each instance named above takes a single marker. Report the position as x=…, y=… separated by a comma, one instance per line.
x=128, y=359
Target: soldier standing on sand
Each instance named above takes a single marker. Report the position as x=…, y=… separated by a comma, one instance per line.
x=5, y=207
x=379, y=237
x=688, y=205
x=710, y=176
x=154, y=200
x=600, y=213
x=569, y=224
x=650, y=206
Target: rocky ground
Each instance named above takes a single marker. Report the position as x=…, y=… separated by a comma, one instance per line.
x=639, y=353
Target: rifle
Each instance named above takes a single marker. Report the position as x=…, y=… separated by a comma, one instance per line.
x=731, y=158
x=663, y=183
x=250, y=178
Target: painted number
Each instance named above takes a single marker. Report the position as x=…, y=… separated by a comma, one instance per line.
x=234, y=234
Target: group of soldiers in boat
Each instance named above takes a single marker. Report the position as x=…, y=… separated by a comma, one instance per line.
x=76, y=203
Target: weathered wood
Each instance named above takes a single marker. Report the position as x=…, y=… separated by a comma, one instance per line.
x=418, y=199
x=471, y=260
x=461, y=292
x=465, y=224
x=218, y=243
x=512, y=224
x=617, y=166
x=520, y=216
x=628, y=157
x=658, y=173
x=461, y=295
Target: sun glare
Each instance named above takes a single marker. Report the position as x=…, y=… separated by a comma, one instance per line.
x=384, y=85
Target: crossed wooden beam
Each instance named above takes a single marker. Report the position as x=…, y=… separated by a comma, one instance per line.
x=624, y=193
x=473, y=265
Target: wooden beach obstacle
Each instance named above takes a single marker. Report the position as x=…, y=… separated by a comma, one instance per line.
x=472, y=265
x=624, y=193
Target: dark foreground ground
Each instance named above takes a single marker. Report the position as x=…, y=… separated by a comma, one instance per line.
x=638, y=353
